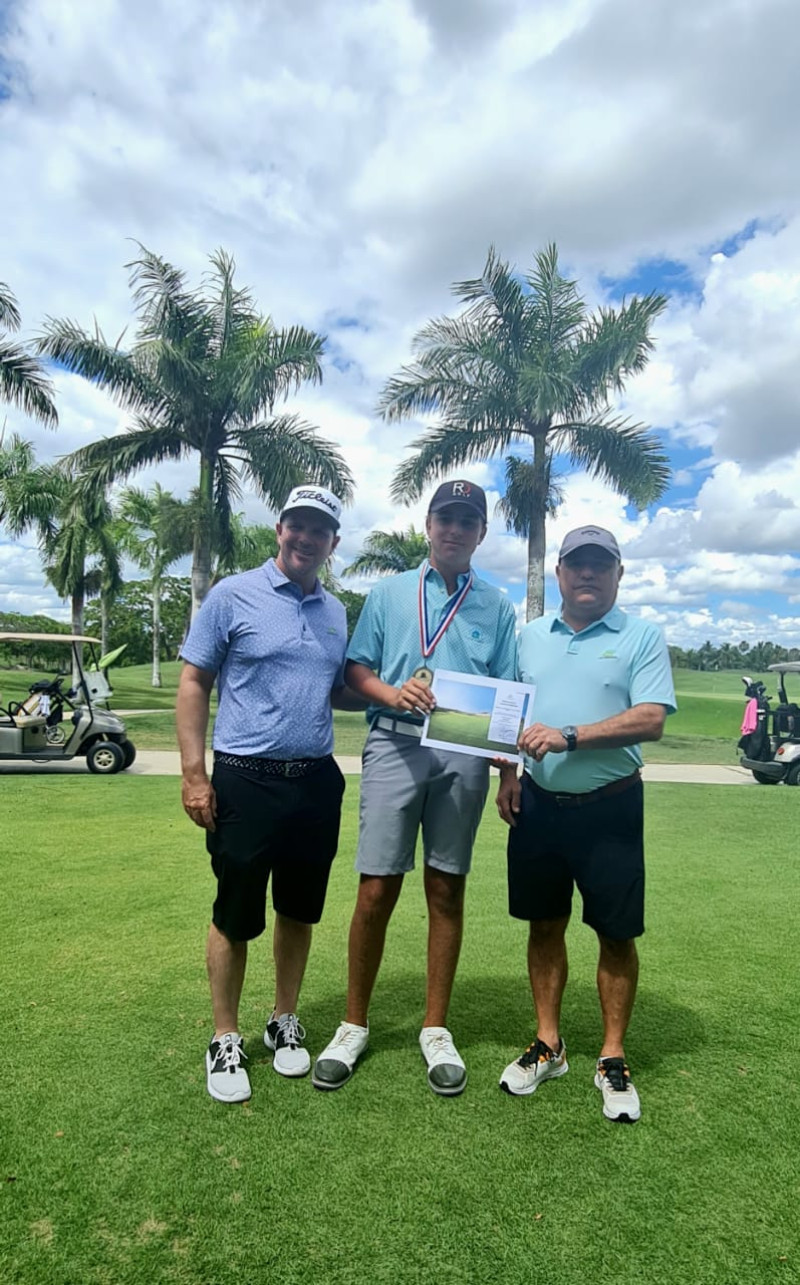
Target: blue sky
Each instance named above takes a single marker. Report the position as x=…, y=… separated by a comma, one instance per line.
x=358, y=160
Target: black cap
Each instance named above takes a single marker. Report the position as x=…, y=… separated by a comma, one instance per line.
x=468, y=493
x=583, y=535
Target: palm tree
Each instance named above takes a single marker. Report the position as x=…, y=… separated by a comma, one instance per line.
x=155, y=530
x=203, y=377
x=22, y=380
x=526, y=363
x=81, y=559
x=73, y=525
x=388, y=552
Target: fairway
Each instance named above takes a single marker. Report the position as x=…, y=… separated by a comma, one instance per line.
x=704, y=730
x=118, y=1168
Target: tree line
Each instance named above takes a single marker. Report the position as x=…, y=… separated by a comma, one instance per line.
x=523, y=370
x=755, y=657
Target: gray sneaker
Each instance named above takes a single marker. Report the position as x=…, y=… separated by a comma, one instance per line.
x=538, y=1063
x=284, y=1035
x=226, y=1078
x=336, y=1063
x=620, y=1099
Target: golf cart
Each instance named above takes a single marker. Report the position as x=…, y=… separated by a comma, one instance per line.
x=54, y=723
x=771, y=743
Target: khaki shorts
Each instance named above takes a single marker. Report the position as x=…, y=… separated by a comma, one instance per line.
x=406, y=786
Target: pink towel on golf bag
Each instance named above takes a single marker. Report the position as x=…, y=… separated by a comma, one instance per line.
x=750, y=720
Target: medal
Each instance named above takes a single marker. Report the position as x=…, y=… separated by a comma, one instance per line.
x=424, y=675
x=428, y=641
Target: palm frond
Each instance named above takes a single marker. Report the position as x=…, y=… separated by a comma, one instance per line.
x=529, y=489
x=166, y=308
x=626, y=455
x=10, y=316
x=117, y=457
x=232, y=309
x=270, y=363
x=440, y=450
x=614, y=344
x=24, y=384
x=556, y=311
x=389, y=552
x=283, y=451
x=101, y=363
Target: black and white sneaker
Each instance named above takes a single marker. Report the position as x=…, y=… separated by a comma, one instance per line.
x=226, y=1078
x=620, y=1099
x=285, y=1036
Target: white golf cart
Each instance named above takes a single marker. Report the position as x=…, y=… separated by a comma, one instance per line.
x=772, y=748
x=52, y=723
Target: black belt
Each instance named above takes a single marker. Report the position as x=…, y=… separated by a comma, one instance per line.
x=271, y=767
x=590, y=796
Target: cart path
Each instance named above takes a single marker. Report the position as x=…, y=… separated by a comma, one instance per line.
x=167, y=763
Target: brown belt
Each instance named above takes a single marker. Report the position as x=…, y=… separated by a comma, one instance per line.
x=590, y=796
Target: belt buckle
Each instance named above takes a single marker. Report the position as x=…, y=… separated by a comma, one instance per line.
x=567, y=801
x=286, y=767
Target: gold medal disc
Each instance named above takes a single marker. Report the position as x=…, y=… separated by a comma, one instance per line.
x=424, y=675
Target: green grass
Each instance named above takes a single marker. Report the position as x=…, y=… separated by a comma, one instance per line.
x=704, y=730
x=118, y=1168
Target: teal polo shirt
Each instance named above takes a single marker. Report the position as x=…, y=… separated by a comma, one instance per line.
x=614, y=663
x=481, y=639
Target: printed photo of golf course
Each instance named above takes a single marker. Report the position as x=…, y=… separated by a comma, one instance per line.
x=463, y=714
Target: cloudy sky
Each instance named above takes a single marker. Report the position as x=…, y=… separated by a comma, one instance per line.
x=356, y=158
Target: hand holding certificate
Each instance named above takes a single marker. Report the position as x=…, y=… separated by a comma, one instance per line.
x=477, y=715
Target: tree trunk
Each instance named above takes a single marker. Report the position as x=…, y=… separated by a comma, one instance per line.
x=201, y=549
x=536, y=531
x=104, y=647
x=76, y=603
x=157, y=631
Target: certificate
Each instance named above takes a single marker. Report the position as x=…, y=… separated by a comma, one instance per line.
x=477, y=715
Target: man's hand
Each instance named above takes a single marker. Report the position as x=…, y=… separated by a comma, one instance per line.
x=538, y=740
x=414, y=697
x=199, y=802
x=508, y=793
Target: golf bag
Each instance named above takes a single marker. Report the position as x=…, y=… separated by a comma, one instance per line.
x=755, y=740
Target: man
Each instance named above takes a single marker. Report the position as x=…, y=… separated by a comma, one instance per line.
x=439, y=615
x=275, y=640
x=603, y=684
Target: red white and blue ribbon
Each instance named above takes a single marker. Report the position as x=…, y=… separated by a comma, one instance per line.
x=427, y=640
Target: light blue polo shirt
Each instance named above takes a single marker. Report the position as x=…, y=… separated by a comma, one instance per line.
x=278, y=654
x=481, y=639
x=615, y=663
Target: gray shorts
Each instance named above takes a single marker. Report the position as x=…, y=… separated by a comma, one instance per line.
x=405, y=785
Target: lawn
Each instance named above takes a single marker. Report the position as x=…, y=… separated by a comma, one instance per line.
x=118, y=1168
x=704, y=730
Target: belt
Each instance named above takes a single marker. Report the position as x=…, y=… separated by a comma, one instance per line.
x=398, y=725
x=590, y=796
x=271, y=767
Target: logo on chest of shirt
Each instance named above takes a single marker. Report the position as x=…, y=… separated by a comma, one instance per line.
x=608, y=654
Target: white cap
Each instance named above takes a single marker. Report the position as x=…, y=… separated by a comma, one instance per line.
x=311, y=496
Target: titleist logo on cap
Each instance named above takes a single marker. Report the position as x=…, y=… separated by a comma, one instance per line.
x=321, y=497
x=309, y=496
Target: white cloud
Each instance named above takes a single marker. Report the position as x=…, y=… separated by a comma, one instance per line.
x=358, y=158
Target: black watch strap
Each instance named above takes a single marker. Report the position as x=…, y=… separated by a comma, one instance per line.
x=570, y=735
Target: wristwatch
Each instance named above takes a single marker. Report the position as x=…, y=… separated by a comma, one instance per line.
x=570, y=735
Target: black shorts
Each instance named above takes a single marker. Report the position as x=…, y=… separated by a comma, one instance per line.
x=286, y=827
x=598, y=846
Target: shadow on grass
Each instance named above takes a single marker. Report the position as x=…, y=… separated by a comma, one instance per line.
x=496, y=1009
